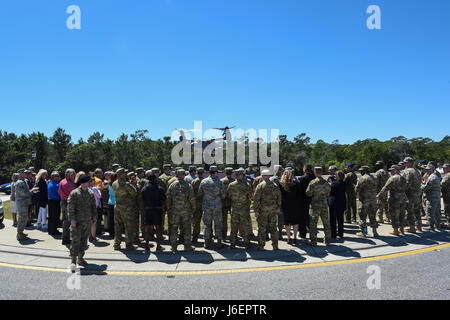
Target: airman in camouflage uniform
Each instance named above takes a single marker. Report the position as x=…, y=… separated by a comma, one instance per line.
x=23, y=200
x=278, y=172
x=81, y=212
x=350, y=179
x=267, y=206
x=212, y=192
x=226, y=203
x=124, y=210
x=198, y=208
x=396, y=185
x=132, y=180
x=445, y=190
x=382, y=204
x=414, y=194
x=319, y=190
x=366, y=190
x=180, y=207
x=240, y=194
x=432, y=190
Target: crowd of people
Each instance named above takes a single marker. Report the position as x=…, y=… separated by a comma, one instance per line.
x=121, y=202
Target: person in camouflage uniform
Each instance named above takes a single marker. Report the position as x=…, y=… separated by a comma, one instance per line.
x=165, y=177
x=212, y=192
x=267, y=206
x=240, y=194
x=396, y=185
x=141, y=182
x=350, y=179
x=81, y=213
x=445, y=190
x=198, y=208
x=382, y=204
x=366, y=191
x=226, y=203
x=180, y=203
x=432, y=190
x=414, y=194
x=23, y=200
x=278, y=172
x=319, y=190
x=124, y=210
x=132, y=180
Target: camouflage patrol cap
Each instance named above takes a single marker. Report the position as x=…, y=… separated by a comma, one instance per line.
x=149, y=173
x=364, y=168
x=278, y=167
x=379, y=163
x=115, y=165
x=139, y=170
x=265, y=173
x=27, y=171
x=401, y=163
x=181, y=172
x=120, y=171
x=192, y=168
x=213, y=169
x=201, y=170
x=333, y=167
x=239, y=171
x=394, y=167
x=430, y=167
x=228, y=170
x=318, y=169
x=446, y=166
x=21, y=170
x=408, y=159
x=289, y=169
x=155, y=170
x=131, y=174
x=167, y=166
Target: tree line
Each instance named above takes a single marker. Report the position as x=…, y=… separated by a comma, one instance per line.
x=59, y=151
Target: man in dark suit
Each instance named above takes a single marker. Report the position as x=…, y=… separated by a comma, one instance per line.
x=305, y=201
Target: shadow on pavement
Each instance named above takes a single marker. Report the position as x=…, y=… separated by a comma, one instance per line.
x=278, y=255
x=2, y=226
x=29, y=241
x=94, y=269
x=137, y=256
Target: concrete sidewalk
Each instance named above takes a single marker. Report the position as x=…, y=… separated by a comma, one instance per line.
x=43, y=250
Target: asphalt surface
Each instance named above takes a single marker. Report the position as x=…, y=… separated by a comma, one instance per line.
x=4, y=197
x=418, y=276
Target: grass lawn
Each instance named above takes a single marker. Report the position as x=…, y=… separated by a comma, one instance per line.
x=7, y=208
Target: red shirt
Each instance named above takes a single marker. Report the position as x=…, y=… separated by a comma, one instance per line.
x=65, y=188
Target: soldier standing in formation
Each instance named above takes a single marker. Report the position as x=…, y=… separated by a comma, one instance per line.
x=350, y=179
x=23, y=200
x=382, y=177
x=445, y=190
x=396, y=185
x=318, y=190
x=226, y=203
x=431, y=187
x=278, y=172
x=240, y=194
x=180, y=209
x=366, y=190
x=198, y=208
x=212, y=192
x=81, y=213
x=414, y=194
x=267, y=206
x=124, y=210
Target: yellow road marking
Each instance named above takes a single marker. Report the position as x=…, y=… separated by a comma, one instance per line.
x=228, y=271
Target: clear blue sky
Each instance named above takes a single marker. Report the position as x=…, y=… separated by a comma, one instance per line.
x=300, y=66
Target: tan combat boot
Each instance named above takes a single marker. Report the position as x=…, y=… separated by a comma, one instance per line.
x=419, y=228
x=394, y=232
x=411, y=230
x=402, y=231
x=374, y=231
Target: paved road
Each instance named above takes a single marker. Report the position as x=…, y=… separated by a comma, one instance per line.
x=418, y=276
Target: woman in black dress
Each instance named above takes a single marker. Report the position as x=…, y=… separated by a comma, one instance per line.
x=338, y=204
x=290, y=204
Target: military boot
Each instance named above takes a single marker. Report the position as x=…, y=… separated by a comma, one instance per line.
x=219, y=244
x=402, y=231
x=394, y=232
x=22, y=236
x=275, y=247
x=188, y=248
x=195, y=239
x=374, y=231
x=82, y=262
x=411, y=230
x=419, y=228
x=130, y=247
